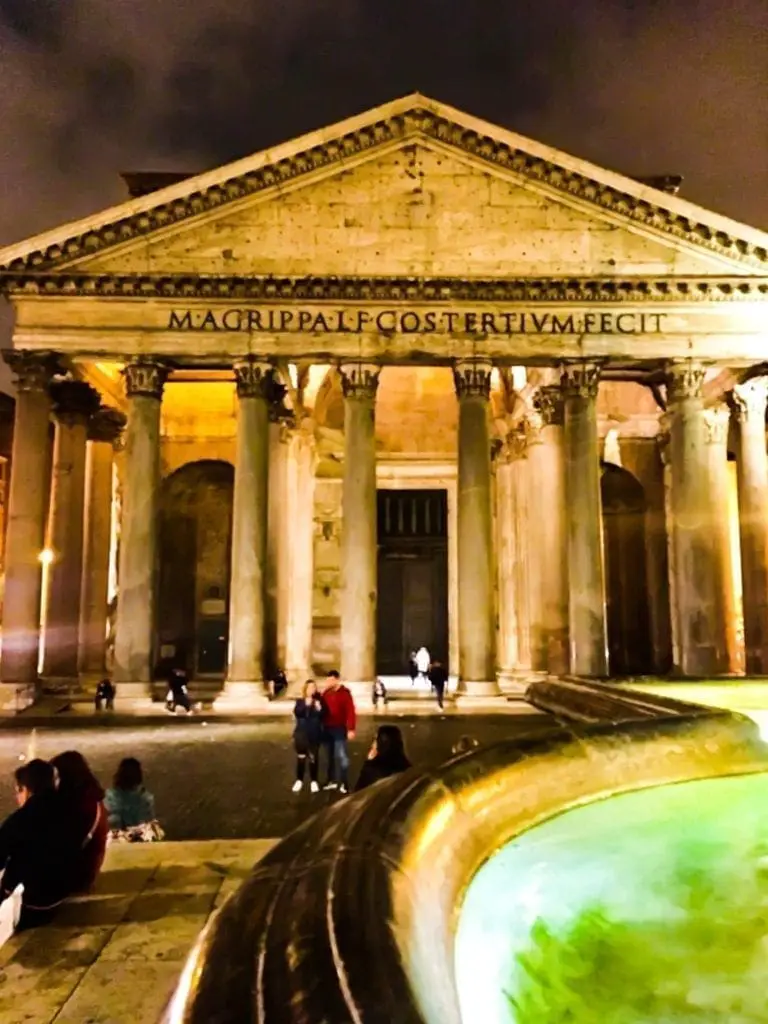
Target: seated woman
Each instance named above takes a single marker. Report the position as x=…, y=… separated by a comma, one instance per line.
x=37, y=846
x=386, y=757
x=82, y=798
x=130, y=807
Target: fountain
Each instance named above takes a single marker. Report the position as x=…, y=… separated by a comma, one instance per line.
x=449, y=895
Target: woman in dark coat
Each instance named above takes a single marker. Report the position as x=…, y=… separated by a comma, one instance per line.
x=387, y=757
x=308, y=734
x=83, y=798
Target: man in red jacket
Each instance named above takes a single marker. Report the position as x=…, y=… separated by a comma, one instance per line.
x=339, y=721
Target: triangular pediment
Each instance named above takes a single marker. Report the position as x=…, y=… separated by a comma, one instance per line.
x=413, y=188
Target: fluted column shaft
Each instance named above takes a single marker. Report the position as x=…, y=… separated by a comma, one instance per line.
x=477, y=668
x=104, y=433
x=136, y=599
x=752, y=470
x=730, y=650
x=513, y=656
x=358, y=527
x=301, y=505
x=698, y=604
x=74, y=403
x=247, y=611
x=549, y=531
x=278, y=539
x=26, y=516
x=586, y=590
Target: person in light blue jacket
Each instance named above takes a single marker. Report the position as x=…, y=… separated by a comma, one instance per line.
x=129, y=805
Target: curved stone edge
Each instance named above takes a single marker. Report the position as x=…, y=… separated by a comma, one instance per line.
x=352, y=918
x=578, y=700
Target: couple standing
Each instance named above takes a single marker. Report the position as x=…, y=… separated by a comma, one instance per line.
x=325, y=719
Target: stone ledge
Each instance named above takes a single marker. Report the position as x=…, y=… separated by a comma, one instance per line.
x=115, y=956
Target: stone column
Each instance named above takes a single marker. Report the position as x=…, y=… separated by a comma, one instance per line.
x=358, y=527
x=26, y=516
x=136, y=598
x=278, y=520
x=586, y=590
x=547, y=482
x=301, y=505
x=477, y=669
x=513, y=654
x=247, y=613
x=752, y=468
x=74, y=402
x=730, y=650
x=104, y=434
x=699, y=636
x=665, y=453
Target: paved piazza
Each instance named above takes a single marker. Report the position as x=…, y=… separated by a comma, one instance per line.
x=221, y=780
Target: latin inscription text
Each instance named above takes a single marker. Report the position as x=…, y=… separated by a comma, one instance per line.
x=274, y=320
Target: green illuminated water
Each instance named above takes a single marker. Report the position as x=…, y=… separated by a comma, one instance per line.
x=642, y=908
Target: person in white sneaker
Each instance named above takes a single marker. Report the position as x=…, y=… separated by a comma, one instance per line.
x=308, y=712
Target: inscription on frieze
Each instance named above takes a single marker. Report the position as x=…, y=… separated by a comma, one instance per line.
x=457, y=323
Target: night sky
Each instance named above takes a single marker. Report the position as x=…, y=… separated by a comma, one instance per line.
x=93, y=87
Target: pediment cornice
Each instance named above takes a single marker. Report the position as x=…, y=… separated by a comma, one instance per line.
x=647, y=208
x=386, y=289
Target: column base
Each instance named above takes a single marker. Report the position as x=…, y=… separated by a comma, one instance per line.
x=17, y=697
x=478, y=688
x=133, y=696
x=61, y=686
x=515, y=682
x=242, y=695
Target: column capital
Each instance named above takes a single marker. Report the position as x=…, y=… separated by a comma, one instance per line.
x=716, y=419
x=106, y=426
x=74, y=401
x=685, y=379
x=514, y=446
x=549, y=403
x=472, y=378
x=359, y=380
x=254, y=378
x=145, y=377
x=749, y=401
x=33, y=371
x=580, y=379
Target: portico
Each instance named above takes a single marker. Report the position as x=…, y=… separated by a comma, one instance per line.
x=409, y=300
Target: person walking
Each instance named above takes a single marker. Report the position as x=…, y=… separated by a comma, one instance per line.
x=178, y=694
x=338, y=727
x=386, y=757
x=438, y=677
x=307, y=736
x=422, y=663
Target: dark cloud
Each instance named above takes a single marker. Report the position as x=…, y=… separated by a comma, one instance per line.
x=93, y=87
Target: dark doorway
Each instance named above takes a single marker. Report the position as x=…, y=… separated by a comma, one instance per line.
x=195, y=546
x=412, y=609
x=630, y=649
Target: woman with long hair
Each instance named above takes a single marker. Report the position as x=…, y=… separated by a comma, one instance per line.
x=386, y=757
x=130, y=806
x=83, y=797
x=307, y=735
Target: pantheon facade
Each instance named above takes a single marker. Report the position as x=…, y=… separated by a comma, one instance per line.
x=410, y=379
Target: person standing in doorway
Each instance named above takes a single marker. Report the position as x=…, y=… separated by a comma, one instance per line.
x=422, y=663
x=438, y=677
x=339, y=727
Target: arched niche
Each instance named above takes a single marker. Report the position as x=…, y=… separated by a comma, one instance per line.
x=195, y=538
x=624, y=543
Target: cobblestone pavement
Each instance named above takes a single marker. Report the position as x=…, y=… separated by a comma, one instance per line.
x=220, y=780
